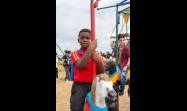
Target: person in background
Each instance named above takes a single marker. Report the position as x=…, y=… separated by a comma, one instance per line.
x=67, y=65
x=124, y=60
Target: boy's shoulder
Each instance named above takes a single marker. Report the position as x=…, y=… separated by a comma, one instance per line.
x=76, y=52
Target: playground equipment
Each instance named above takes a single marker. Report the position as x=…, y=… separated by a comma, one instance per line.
x=60, y=49
x=126, y=15
x=124, y=2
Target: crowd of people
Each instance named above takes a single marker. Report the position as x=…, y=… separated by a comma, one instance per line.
x=83, y=60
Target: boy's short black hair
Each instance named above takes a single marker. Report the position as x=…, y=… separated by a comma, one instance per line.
x=84, y=30
x=121, y=36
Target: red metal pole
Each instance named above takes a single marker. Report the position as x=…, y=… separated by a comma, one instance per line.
x=93, y=5
x=92, y=9
x=92, y=16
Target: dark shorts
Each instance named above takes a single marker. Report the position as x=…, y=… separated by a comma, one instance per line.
x=78, y=94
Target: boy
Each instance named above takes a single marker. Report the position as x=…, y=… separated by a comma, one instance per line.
x=87, y=63
x=124, y=60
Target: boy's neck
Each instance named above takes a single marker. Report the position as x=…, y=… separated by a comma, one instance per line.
x=84, y=49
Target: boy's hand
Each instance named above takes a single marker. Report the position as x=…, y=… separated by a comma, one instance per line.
x=124, y=68
x=95, y=57
x=93, y=44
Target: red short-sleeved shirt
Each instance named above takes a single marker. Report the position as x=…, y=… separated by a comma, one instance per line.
x=124, y=56
x=86, y=74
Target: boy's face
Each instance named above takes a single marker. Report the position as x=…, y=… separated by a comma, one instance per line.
x=121, y=42
x=84, y=39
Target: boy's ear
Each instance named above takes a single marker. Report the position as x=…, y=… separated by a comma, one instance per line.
x=78, y=40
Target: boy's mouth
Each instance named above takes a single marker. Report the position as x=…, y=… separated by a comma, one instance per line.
x=84, y=44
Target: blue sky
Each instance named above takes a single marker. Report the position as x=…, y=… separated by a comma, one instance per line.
x=73, y=15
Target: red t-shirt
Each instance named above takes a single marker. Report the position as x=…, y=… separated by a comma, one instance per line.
x=124, y=56
x=86, y=74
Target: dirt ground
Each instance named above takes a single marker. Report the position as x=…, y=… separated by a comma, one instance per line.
x=63, y=90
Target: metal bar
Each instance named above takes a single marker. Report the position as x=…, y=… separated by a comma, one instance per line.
x=92, y=16
x=123, y=1
x=60, y=48
x=117, y=51
x=114, y=5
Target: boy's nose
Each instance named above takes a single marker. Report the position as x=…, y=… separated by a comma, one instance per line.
x=84, y=40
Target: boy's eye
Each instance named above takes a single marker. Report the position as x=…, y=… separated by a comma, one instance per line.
x=85, y=38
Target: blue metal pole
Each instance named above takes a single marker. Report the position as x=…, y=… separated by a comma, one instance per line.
x=120, y=4
x=123, y=1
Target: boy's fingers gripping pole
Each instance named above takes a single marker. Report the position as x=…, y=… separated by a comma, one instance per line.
x=96, y=3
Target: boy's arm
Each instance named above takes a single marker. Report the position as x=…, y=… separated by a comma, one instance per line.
x=98, y=60
x=85, y=59
x=128, y=63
